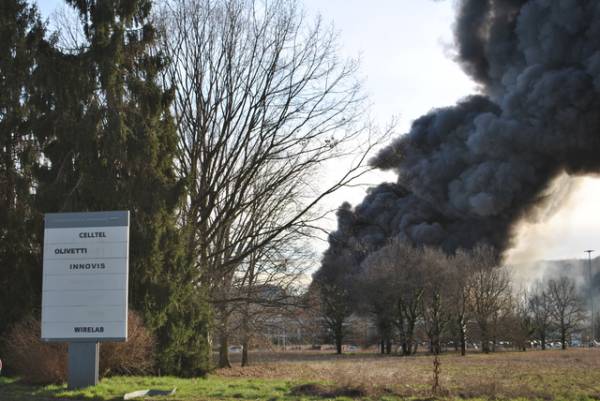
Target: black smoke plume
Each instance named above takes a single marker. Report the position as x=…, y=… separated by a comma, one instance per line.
x=468, y=173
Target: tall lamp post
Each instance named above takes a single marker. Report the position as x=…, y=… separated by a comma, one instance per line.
x=591, y=293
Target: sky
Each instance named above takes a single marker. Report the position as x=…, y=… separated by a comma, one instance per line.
x=405, y=51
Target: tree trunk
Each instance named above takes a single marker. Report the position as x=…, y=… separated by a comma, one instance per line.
x=485, y=342
x=411, y=340
x=223, y=340
x=224, y=350
x=414, y=348
x=563, y=338
x=245, y=361
x=405, y=347
x=338, y=344
x=245, y=338
x=401, y=334
x=463, y=341
x=245, y=335
x=388, y=346
x=382, y=346
x=543, y=340
x=338, y=335
x=436, y=346
x=485, y=346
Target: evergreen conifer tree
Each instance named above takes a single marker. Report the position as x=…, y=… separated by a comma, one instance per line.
x=21, y=33
x=110, y=140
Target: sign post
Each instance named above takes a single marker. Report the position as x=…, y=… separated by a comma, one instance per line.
x=84, y=364
x=85, y=281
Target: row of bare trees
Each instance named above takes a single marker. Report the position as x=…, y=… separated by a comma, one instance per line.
x=415, y=295
x=554, y=305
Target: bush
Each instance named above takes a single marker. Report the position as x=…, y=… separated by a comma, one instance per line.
x=133, y=357
x=41, y=362
x=29, y=357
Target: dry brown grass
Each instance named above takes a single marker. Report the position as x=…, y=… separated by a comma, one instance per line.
x=547, y=374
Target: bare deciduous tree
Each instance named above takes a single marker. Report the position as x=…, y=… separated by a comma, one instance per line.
x=335, y=293
x=266, y=285
x=566, y=306
x=378, y=289
x=489, y=292
x=539, y=306
x=260, y=96
x=335, y=310
x=396, y=279
x=437, y=295
x=460, y=268
x=519, y=324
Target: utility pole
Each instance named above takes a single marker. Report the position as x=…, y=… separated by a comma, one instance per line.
x=591, y=295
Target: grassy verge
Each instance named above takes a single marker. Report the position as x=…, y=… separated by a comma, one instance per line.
x=212, y=388
x=217, y=389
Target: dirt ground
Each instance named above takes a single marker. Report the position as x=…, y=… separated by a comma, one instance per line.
x=549, y=374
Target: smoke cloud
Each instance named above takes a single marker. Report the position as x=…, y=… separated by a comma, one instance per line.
x=469, y=173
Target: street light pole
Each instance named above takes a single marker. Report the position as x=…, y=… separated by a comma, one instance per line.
x=591, y=294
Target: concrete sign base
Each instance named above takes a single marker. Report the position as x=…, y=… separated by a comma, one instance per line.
x=84, y=358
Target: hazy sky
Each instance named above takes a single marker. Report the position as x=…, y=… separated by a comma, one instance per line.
x=405, y=47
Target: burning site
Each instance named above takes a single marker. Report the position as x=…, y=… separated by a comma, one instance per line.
x=299, y=199
x=430, y=252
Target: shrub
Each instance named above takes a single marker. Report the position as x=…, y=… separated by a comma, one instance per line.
x=29, y=357
x=133, y=357
x=39, y=362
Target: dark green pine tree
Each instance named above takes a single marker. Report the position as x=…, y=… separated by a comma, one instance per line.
x=110, y=142
x=21, y=33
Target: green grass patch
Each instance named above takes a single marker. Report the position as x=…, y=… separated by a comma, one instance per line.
x=215, y=388
x=211, y=388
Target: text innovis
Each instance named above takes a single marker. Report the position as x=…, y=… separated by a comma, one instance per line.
x=86, y=266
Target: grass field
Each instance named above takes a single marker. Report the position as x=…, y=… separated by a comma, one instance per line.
x=548, y=375
x=551, y=374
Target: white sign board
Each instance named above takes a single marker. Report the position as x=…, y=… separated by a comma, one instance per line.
x=86, y=266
